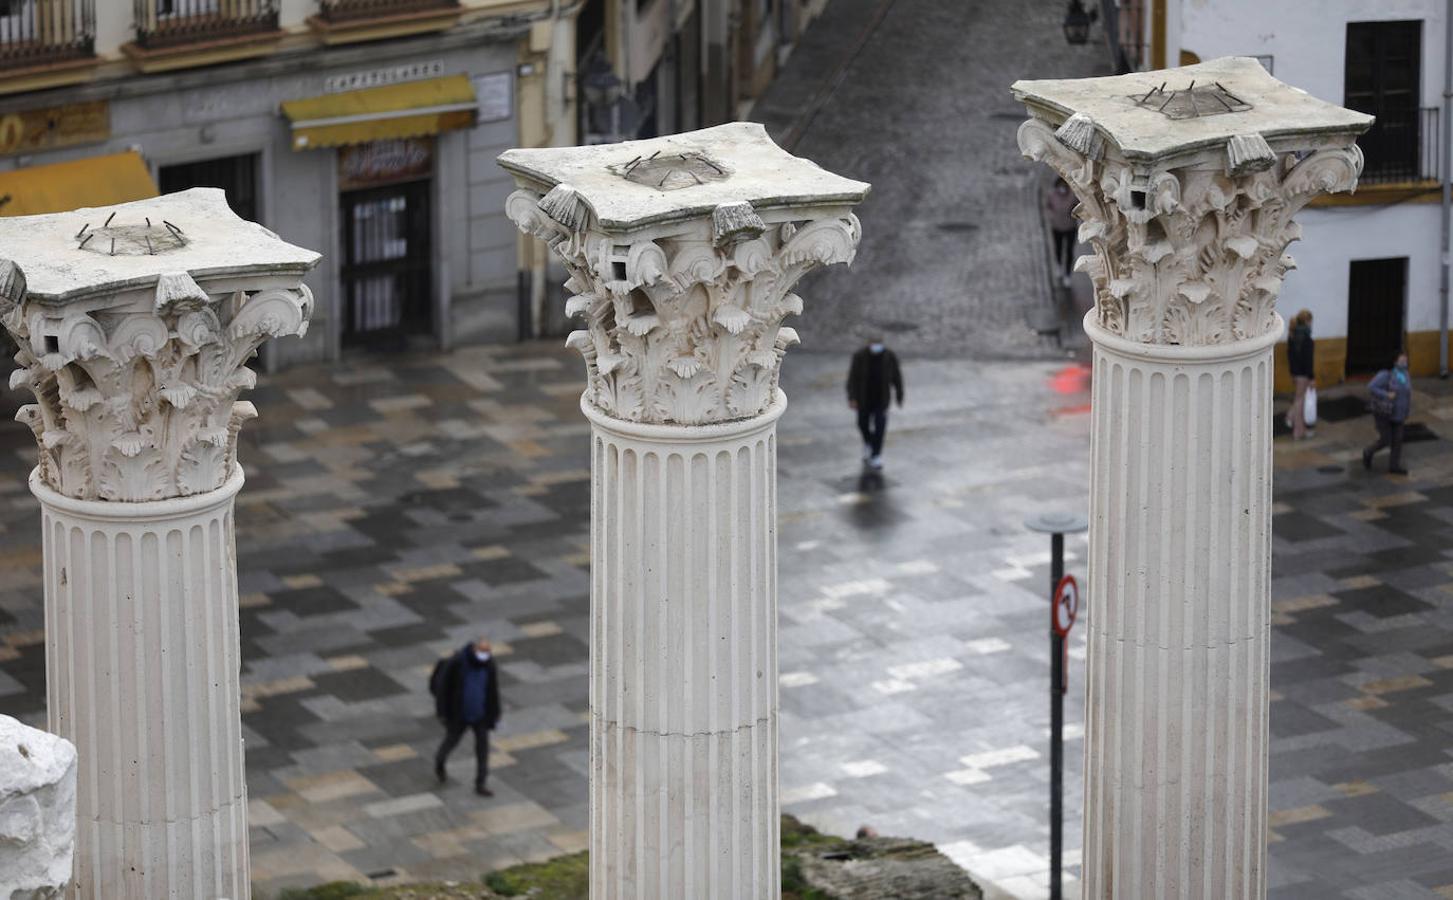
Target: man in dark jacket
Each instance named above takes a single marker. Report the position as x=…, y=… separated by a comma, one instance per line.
x=466, y=696
x=872, y=378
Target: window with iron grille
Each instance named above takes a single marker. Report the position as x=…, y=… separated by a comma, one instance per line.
x=1384, y=68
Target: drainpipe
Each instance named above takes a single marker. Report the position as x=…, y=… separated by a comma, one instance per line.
x=1447, y=190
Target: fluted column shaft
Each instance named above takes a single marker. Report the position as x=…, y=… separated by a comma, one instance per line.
x=142, y=667
x=683, y=676
x=1179, y=580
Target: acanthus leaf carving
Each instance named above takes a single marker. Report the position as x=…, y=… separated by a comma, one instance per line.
x=693, y=333
x=1191, y=255
x=138, y=403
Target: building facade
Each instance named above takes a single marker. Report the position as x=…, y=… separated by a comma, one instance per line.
x=367, y=129
x=1371, y=264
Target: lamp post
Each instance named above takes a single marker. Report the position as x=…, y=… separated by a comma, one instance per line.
x=1188, y=180
x=1057, y=524
x=135, y=323
x=682, y=253
x=1077, y=23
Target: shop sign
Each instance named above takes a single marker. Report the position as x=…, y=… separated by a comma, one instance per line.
x=49, y=127
x=496, y=95
x=384, y=162
x=353, y=81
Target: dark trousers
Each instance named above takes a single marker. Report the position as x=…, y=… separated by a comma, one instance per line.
x=873, y=424
x=453, y=732
x=1389, y=434
x=1064, y=249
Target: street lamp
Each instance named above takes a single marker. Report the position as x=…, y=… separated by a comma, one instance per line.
x=603, y=91
x=1077, y=23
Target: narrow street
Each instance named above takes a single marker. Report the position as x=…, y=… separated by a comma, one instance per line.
x=913, y=97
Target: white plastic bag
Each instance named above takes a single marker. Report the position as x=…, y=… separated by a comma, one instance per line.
x=1309, y=406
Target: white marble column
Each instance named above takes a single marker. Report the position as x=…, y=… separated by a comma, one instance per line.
x=682, y=253
x=1187, y=197
x=136, y=359
x=684, y=687
x=1180, y=569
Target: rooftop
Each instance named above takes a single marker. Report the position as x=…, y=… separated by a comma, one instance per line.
x=636, y=183
x=106, y=250
x=1149, y=115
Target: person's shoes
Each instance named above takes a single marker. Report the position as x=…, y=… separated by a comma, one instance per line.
x=875, y=462
x=483, y=791
x=1066, y=280
x=1398, y=470
x=440, y=774
x=1367, y=460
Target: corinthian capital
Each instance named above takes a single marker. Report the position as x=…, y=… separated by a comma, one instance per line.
x=134, y=331
x=1188, y=180
x=683, y=252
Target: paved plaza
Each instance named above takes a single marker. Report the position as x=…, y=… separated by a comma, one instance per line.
x=395, y=507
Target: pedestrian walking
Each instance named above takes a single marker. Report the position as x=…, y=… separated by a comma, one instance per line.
x=466, y=698
x=1390, y=394
x=1059, y=208
x=1300, y=351
x=872, y=378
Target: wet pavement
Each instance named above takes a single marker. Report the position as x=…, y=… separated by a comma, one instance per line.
x=395, y=507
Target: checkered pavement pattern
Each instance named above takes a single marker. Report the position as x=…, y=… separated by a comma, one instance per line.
x=398, y=506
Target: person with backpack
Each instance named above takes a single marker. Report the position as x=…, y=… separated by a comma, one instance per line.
x=1390, y=395
x=466, y=698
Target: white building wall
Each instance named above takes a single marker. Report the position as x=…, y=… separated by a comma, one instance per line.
x=1308, y=50
x=1307, y=40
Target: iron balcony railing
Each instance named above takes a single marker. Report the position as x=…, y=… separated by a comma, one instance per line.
x=1402, y=145
x=166, y=23
x=349, y=10
x=36, y=32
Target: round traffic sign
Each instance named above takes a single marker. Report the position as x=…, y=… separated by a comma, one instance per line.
x=1066, y=606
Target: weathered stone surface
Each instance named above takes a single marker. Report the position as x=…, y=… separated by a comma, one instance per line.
x=871, y=868
x=37, y=812
x=136, y=359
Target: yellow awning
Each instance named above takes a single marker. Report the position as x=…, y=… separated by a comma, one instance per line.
x=60, y=187
x=410, y=109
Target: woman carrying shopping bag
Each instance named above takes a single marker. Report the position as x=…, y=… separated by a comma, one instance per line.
x=1300, y=361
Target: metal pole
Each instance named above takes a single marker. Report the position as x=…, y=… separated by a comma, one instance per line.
x=1056, y=720
x=1443, y=167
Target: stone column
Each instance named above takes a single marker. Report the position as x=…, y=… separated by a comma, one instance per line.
x=1186, y=195
x=682, y=253
x=135, y=352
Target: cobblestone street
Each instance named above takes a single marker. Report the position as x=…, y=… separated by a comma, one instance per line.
x=395, y=507
x=913, y=96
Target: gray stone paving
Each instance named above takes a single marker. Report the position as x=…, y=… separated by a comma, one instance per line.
x=913, y=96
x=396, y=506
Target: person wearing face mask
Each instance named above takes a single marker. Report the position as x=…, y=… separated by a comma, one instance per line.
x=1391, y=397
x=466, y=698
x=872, y=378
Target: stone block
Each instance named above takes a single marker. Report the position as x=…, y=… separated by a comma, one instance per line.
x=37, y=812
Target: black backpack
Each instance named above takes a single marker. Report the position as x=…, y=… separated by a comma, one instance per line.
x=436, y=677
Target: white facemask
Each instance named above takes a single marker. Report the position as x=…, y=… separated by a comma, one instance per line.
x=482, y=656
x=875, y=348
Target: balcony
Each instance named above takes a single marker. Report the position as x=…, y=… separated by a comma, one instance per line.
x=1401, y=147
x=44, y=43
x=173, y=34
x=1402, y=161
x=351, y=21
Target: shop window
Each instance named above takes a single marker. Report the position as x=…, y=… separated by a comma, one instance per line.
x=236, y=175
